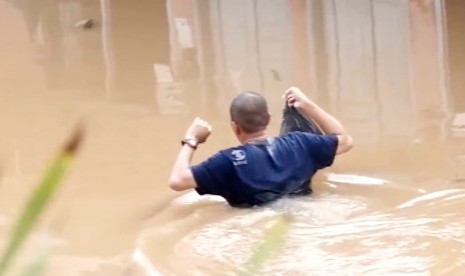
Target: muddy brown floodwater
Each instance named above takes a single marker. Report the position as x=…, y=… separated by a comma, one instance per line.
x=391, y=70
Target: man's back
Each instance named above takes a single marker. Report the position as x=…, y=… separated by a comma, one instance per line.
x=263, y=171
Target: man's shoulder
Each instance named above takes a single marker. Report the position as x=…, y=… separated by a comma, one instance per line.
x=231, y=150
x=229, y=155
x=241, y=154
x=236, y=155
x=296, y=136
x=219, y=161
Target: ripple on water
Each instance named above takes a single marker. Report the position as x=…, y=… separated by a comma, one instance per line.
x=331, y=234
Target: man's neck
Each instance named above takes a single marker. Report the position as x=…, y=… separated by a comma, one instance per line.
x=250, y=138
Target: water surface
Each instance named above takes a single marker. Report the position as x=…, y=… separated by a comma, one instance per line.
x=391, y=70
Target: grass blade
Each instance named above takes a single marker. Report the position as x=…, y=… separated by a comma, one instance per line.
x=37, y=266
x=39, y=199
x=272, y=241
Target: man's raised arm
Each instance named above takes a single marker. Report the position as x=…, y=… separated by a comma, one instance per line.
x=330, y=125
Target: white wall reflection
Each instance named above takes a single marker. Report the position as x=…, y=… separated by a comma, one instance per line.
x=388, y=68
x=362, y=59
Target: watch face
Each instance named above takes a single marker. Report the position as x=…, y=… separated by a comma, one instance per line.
x=192, y=142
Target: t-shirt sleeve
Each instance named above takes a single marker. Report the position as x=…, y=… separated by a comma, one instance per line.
x=322, y=148
x=211, y=174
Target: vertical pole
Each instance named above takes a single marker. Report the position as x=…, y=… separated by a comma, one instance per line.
x=107, y=52
x=426, y=72
x=301, y=56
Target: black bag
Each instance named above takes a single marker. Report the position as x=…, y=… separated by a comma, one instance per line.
x=294, y=121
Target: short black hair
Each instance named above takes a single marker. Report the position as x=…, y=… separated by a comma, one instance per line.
x=249, y=110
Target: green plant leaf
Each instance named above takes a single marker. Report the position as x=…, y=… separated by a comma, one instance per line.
x=37, y=266
x=39, y=199
x=271, y=242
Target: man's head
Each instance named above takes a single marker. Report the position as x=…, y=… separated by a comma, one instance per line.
x=249, y=115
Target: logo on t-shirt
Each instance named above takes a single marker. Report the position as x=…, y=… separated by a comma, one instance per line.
x=239, y=157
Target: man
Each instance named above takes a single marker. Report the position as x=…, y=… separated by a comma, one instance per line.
x=263, y=168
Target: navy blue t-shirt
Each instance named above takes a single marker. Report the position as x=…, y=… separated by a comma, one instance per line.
x=258, y=173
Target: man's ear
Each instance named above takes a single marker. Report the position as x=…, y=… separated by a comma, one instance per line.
x=236, y=129
x=269, y=118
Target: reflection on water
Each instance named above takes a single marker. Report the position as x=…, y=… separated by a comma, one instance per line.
x=391, y=70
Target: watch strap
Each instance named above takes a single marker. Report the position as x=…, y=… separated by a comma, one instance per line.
x=191, y=142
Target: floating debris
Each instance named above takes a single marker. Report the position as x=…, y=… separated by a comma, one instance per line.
x=459, y=179
x=85, y=24
x=276, y=75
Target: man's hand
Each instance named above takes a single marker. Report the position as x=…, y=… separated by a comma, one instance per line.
x=329, y=124
x=200, y=130
x=296, y=98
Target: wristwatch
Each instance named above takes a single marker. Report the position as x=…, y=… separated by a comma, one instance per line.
x=191, y=142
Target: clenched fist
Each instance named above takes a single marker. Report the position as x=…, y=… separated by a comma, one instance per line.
x=199, y=130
